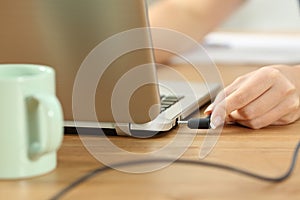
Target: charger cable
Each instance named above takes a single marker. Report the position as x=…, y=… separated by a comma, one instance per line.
x=232, y=169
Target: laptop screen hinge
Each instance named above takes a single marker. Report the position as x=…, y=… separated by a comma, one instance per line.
x=123, y=129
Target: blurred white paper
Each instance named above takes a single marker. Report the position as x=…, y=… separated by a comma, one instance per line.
x=246, y=48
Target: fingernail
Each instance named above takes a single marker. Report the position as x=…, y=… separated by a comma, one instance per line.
x=216, y=122
x=208, y=110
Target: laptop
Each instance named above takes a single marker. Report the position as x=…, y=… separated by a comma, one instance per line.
x=64, y=35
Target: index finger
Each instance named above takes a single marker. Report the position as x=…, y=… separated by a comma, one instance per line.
x=226, y=92
x=249, y=90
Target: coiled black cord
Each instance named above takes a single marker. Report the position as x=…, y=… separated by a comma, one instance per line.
x=182, y=161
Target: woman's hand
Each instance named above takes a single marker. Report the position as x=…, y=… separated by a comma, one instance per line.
x=268, y=96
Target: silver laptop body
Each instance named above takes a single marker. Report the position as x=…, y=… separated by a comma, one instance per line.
x=62, y=33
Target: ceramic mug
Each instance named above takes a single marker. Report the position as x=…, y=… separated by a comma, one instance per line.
x=31, y=121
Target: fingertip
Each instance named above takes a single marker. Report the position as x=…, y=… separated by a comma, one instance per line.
x=218, y=116
x=207, y=112
x=209, y=109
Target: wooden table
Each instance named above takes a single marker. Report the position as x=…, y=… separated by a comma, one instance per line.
x=267, y=151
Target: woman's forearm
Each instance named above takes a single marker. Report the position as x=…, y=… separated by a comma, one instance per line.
x=194, y=18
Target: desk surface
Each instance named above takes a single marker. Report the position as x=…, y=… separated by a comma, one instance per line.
x=267, y=151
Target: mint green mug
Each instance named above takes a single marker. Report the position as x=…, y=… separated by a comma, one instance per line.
x=31, y=121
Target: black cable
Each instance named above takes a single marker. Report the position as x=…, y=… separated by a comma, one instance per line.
x=183, y=161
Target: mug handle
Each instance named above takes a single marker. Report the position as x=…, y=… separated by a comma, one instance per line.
x=45, y=124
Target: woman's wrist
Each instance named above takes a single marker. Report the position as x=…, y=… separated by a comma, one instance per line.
x=292, y=73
